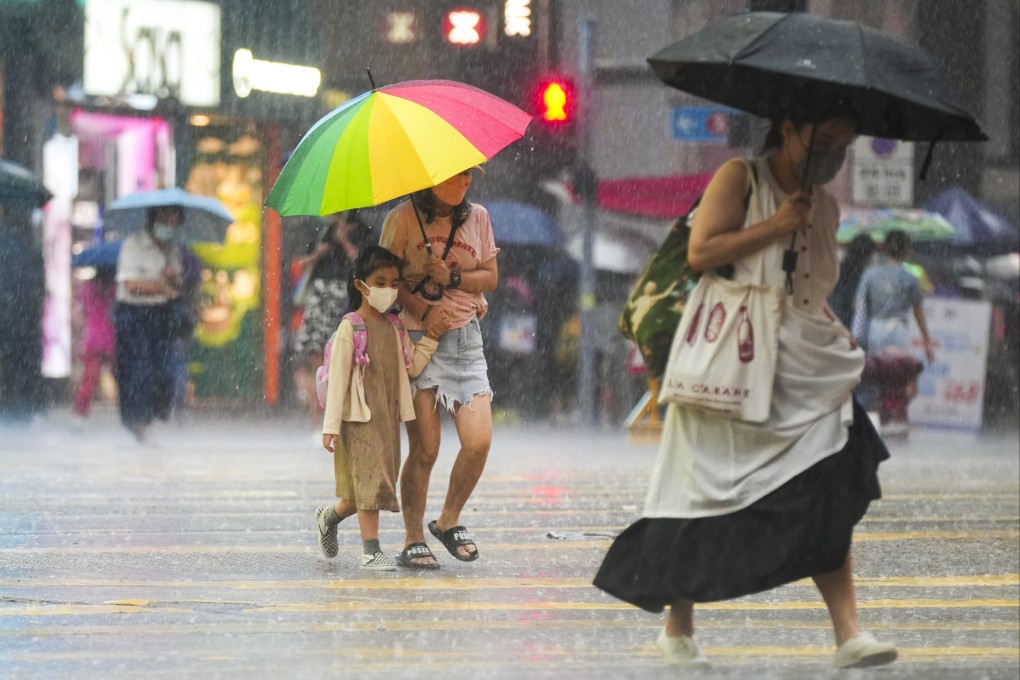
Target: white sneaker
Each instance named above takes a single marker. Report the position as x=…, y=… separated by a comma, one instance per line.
x=681, y=651
x=863, y=651
x=378, y=562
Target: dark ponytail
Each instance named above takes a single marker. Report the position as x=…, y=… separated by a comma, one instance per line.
x=369, y=260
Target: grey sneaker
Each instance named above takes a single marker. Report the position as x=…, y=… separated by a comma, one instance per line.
x=864, y=651
x=681, y=651
x=327, y=535
x=378, y=562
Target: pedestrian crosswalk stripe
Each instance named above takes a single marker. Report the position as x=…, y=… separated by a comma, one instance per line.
x=360, y=606
x=859, y=537
x=483, y=583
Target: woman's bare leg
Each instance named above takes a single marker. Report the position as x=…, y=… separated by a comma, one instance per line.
x=423, y=435
x=681, y=619
x=837, y=589
x=474, y=429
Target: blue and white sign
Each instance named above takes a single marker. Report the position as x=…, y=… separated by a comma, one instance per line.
x=705, y=124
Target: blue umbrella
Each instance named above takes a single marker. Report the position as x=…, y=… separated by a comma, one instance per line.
x=522, y=224
x=205, y=218
x=98, y=255
x=978, y=229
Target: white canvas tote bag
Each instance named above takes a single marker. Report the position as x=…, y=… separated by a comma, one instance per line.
x=723, y=356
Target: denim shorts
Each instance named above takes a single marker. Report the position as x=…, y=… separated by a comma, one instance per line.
x=457, y=370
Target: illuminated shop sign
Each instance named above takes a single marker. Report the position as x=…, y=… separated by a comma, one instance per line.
x=272, y=76
x=163, y=48
x=517, y=18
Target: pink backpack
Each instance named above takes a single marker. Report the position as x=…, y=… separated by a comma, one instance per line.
x=360, y=356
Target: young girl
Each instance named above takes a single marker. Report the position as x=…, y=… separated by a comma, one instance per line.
x=369, y=399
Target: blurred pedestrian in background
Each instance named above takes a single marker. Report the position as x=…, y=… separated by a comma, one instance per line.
x=886, y=296
x=149, y=315
x=180, y=346
x=96, y=297
x=322, y=293
x=22, y=292
x=858, y=257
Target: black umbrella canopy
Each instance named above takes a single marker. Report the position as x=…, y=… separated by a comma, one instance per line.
x=767, y=62
x=18, y=185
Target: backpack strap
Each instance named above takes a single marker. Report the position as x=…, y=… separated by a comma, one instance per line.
x=399, y=326
x=360, y=338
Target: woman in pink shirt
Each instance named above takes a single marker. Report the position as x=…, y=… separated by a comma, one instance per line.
x=453, y=277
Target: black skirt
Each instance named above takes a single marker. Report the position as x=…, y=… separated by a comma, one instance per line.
x=801, y=529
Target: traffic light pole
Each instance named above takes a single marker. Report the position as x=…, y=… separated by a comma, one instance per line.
x=586, y=184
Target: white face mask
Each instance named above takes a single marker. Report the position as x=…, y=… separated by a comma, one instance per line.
x=164, y=233
x=380, y=299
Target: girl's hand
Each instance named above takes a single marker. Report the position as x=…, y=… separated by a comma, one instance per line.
x=329, y=442
x=437, y=323
x=438, y=270
x=792, y=214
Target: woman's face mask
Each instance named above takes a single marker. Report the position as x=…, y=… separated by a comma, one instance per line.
x=826, y=157
x=164, y=233
x=823, y=167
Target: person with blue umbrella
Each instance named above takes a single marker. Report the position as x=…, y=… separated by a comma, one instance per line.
x=156, y=276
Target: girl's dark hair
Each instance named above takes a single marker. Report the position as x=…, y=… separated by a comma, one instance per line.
x=801, y=116
x=897, y=244
x=426, y=202
x=370, y=259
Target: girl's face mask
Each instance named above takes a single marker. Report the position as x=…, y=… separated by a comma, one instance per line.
x=380, y=299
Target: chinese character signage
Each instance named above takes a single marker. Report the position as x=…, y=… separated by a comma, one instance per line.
x=883, y=172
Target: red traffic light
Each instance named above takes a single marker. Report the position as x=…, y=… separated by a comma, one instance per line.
x=554, y=101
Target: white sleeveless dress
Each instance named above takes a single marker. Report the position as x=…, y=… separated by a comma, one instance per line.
x=708, y=465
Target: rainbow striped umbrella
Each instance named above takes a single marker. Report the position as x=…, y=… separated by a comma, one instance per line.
x=392, y=141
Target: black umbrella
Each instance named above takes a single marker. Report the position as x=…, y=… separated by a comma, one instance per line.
x=18, y=185
x=766, y=62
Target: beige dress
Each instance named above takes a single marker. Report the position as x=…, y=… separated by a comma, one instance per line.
x=367, y=460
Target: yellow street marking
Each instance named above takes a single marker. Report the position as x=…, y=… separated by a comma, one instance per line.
x=860, y=537
x=79, y=609
x=344, y=606
x=349, y=606
x=467, y=583
x=282, y=627
x=434, y=659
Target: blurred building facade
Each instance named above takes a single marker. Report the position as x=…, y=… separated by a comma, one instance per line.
x=222, y=126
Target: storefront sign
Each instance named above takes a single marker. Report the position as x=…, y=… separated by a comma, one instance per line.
x=251, y=74
x=951, y=389
x=166, y=48
x=883, y=172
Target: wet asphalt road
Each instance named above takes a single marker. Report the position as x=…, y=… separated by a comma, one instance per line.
x=196, y=557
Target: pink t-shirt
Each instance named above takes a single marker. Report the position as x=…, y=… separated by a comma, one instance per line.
x=473, y=245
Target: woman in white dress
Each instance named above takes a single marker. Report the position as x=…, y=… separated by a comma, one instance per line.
x=736, y=508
